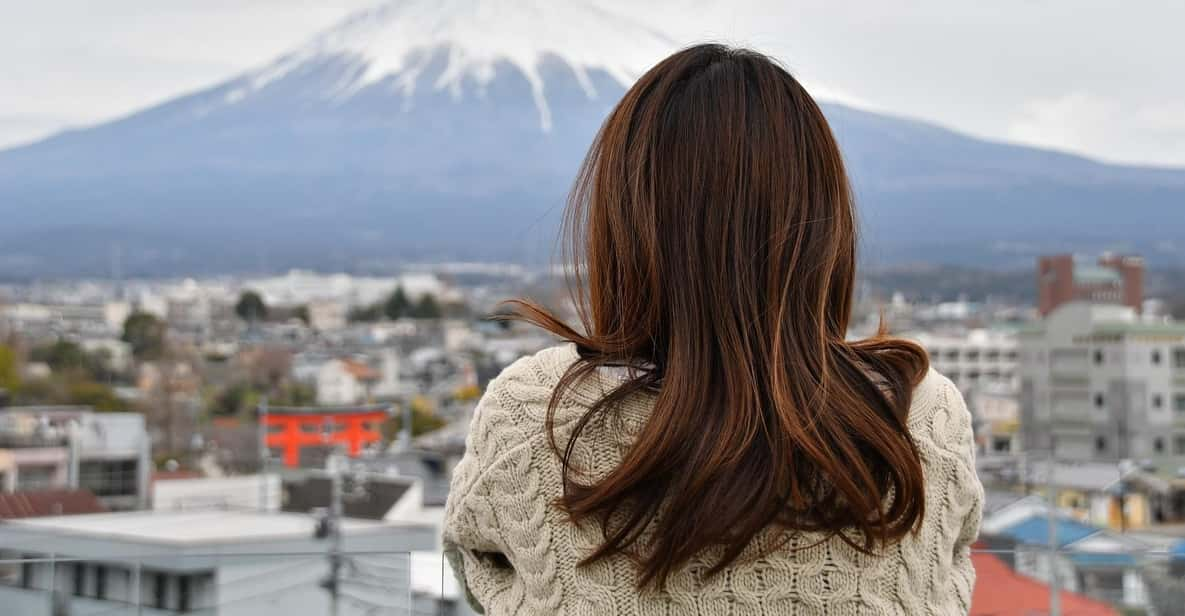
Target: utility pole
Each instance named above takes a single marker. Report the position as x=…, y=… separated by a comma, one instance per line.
x=263, y=453
x=1055, y=599
x=332, y=582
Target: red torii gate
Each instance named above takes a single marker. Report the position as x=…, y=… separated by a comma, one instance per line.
x=293, y=428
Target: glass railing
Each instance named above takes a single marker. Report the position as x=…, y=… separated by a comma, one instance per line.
x=1018, y=581
x=353, y=583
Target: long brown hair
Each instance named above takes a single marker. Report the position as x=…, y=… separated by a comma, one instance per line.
x=713, y=236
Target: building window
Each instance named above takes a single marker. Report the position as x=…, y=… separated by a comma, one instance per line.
x=36, y=477
x=1099, y=401
x=1010, y=356
x=100, y=582
x=1179, y=403
x=183, y=594
x=1098, y=357
x=1157, y=401
x=952, y=355
x=1179, y=444
x=1158, y=445
x=160, y=591
x=973, y=355
x=1179, y=357
x=1155, y=357
x=1100, y=444
x=79, y=579
x=110, y=477
x=27, y=572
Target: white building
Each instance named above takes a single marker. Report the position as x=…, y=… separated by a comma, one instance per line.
x=74, y=447
x=1102, y=384
x=240, y=492
x=225, y=562
x=978, y=358
x=326, y=315
x=344, y=381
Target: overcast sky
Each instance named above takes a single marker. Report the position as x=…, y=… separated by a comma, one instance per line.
x=1098, y=77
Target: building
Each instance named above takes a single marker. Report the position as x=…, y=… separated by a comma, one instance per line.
x=225, y=562
x=74, y=447
x=1000, y=590
x=1099, y=383
x=345, y=381
x=238, y=492
x=326, y=315
x=1114, y=279
x=16, y=505
x=1098, y=563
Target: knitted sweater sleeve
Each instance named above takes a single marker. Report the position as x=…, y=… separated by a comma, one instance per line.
x=484, y=530
x=965, y=496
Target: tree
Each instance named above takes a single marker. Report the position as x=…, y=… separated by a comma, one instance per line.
x=10, y=377
x=146, y=334
x=397, y=304
x=65, y=357
x=426, y=308
x=302, y=312
x=95, y=395
x=250, y=307
x=365, y=314
x=423, y=420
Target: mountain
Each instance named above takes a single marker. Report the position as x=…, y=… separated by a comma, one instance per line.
x=451, y=130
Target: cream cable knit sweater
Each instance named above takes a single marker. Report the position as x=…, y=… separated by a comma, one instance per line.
x=516, y=554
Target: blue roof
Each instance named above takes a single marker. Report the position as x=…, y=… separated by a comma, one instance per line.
x=1034, y=530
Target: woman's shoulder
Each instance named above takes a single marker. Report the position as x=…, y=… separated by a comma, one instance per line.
x=532, y=378
x=938, y=415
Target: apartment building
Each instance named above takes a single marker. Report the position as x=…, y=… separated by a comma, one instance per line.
x=1101, y=383
x=52, y=447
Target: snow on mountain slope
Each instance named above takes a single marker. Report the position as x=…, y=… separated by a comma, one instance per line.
x=397, y=41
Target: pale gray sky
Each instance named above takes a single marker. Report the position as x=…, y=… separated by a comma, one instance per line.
x=1097, y=77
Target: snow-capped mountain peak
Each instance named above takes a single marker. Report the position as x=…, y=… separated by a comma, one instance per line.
x=397, y=40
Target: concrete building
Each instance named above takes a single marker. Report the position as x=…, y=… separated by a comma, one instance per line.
x=74, y=447
x=345, y=381
x=1099, y=383
x=225, y=562
x=977, y=358
x=1114, y=279
x=326, y=315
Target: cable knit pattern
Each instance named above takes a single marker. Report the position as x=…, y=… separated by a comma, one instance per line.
x=515, y=553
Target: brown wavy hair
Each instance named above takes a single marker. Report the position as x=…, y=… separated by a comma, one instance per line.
x=713, y=236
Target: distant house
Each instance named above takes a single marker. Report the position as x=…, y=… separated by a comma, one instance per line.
x=1000, y=591
x=345, y=381
x=71, y=447
x=1094, y=561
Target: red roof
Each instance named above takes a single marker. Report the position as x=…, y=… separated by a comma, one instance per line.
x=1000, y=591
x=35, y=504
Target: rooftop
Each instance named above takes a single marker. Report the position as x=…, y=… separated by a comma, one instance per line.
x=1000, y=590
x=1034, y=530
x=187, y=527
x=38, y=503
